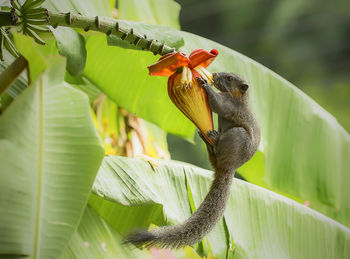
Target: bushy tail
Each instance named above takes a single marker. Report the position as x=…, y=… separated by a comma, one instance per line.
x=195, y=227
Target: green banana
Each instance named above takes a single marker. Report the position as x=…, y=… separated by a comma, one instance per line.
x=35, y=21
x=8, y=44
x=37, y=28
x=31, y=4
x=15, y=4
x=35, y=10
x=30, y=32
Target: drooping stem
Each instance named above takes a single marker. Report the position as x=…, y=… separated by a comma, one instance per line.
x=12, y=72
x=101, y=24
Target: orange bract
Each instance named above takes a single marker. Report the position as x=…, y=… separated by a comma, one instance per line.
x=201, y=57
x=167, y=65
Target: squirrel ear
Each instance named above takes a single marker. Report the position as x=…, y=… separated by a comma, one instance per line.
x=243, y=88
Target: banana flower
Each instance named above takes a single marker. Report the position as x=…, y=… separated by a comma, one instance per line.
x=183, y=88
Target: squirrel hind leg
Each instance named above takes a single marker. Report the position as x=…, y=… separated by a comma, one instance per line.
x=210, y=149
x=212, y=159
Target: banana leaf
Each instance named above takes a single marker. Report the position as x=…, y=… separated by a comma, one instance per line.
x=257, y=222
x=49, y=156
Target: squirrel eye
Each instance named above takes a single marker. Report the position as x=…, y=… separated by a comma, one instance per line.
x=230, y=78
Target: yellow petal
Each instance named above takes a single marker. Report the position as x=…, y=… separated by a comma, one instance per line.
x=205, y=74
x=192, y=100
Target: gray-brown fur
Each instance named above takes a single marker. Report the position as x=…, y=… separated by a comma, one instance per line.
x=235, y=142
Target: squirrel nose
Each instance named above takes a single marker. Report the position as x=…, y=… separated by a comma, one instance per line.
x=243, y=87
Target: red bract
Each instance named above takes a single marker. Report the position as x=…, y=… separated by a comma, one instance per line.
x=183, y=88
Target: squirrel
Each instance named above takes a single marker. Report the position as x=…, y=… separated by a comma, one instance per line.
x=235, y=142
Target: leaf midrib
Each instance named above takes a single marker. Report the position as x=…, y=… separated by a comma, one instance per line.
x=40, y=149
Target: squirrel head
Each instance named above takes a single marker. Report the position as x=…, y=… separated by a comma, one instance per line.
x=230, y=82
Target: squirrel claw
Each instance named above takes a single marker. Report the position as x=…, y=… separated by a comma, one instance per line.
x=201, y=81
x=209, y=146
x=213, y=134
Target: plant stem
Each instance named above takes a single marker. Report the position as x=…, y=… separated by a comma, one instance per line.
x=101, y=24
x=11, y=73
x=108, y=26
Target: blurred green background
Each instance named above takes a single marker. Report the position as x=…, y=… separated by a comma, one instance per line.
x=306, y=42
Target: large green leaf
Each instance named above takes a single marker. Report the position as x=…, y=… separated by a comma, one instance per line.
x=96, y=239
x=49, y=156
x=263, y=224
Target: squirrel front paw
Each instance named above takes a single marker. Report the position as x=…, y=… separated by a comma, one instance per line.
x=210, y=148
x=213, y=134
x=202, y=82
